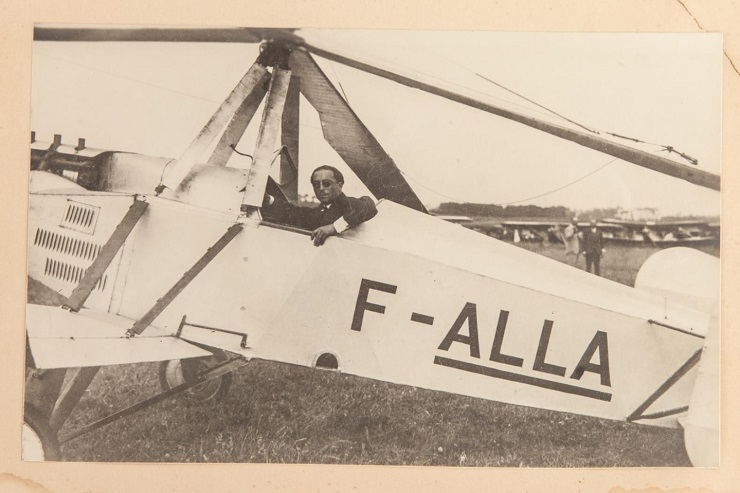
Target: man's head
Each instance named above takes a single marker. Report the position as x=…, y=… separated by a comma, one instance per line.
x=593, y=223
x=574, y=221
x=327, y=182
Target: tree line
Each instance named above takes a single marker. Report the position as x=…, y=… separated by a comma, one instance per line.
x=499, y=211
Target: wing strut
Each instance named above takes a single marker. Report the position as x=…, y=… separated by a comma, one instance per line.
x=239, y=124
x=186, y=278
x=175, y=174
x=289, y=137
x=71, y=395
x=267, y=138
x=93, y=274
x=344, y=131
x=217, y=371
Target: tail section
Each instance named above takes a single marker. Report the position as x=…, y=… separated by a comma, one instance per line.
x=690, y=277
x=701, y=426
x=682, y=275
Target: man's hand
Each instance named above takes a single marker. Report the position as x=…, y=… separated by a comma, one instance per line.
x=319, y=235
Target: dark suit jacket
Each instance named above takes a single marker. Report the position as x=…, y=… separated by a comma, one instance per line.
x=354, y=211
x=592, y=242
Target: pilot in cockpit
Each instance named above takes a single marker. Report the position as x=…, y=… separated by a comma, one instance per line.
x=336, y=213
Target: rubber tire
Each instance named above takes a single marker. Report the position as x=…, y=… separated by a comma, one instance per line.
x=40, y=427
x=193, y=366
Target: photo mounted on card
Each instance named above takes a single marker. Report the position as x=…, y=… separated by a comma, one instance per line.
x=373, y=247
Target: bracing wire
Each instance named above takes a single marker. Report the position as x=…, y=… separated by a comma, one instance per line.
x=663, y=147
x=483, y=93
x=550, y=192
x=156, y=86
x=124, y=77
x=536, y=104
x=346, y=99
x=390, y=63
x=339, y=82
x=562, y=187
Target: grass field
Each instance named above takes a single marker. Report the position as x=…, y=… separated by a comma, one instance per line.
x=282, y=413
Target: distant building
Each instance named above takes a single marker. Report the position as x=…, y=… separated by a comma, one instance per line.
x=641, y=214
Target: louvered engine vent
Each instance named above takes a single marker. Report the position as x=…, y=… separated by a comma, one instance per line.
x=80, y=217
x=69, y=273
x=61, y=244
x=85, y=250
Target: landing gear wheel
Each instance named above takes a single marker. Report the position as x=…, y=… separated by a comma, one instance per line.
x=176, y=372
x=39, y=442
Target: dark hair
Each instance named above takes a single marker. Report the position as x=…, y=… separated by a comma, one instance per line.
x=337, y=174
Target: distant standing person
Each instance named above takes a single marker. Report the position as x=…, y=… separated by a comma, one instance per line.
x=593, y=247
x=570, y=239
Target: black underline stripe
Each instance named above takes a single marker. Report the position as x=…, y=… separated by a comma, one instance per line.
x=422, y=319
x=514, y=377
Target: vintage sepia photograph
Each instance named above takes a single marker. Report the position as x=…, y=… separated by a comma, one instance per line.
x=387, y=247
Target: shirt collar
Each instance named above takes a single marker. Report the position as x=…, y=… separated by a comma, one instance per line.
x=328, y=206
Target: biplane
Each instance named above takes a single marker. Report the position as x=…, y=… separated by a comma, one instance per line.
x=170, y=260
x=548, y=231
x=664, y=234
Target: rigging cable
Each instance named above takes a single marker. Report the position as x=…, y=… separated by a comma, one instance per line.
x=407, y=175
x=339, y=83
x=120, y=76
x=564, y=186
x=156, y=86
x=390, y=64
x=469, y=70
x=537, y=104
x=663, y=147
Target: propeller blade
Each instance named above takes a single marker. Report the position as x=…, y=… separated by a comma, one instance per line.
x=253, y=35
x=164, y=34
x=641, y=158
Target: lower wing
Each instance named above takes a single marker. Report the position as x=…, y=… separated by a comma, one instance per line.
x=59, y=338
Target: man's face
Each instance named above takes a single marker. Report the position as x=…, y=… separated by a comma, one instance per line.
x=325, y=186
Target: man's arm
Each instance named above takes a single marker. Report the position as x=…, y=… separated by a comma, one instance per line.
x=356, y=211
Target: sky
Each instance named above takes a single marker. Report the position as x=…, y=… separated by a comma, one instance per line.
x=153, y=98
